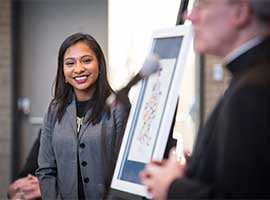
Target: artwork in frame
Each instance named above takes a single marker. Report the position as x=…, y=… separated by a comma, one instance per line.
x=152, y=112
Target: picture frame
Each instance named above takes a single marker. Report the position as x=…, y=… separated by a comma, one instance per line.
x=152, y=113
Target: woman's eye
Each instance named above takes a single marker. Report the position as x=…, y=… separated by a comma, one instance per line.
x=86, y=61
x=69, y=63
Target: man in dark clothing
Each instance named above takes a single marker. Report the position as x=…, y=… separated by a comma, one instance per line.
x=230, y=158
x=26, y=185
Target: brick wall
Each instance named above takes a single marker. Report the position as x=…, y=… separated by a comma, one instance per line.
x=213, y=89
x=5, y=95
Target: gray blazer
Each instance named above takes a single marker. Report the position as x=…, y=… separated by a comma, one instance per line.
x=59, y=144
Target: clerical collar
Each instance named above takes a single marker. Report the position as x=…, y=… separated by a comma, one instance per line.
x=242, y=49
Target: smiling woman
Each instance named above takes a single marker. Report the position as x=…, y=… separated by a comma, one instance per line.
x=81, y=70
x=80, y=132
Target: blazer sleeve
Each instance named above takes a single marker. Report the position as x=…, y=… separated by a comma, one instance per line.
x=243, y=143
x=188, y=189
x=47, y=170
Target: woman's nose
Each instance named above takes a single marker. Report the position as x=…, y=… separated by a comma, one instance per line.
x=79, y=67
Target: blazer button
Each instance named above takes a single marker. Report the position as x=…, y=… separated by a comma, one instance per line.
x=84, y=163
x=82, y=145
x=86, y=180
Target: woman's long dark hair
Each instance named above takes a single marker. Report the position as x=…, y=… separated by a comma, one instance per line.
x=63, y=92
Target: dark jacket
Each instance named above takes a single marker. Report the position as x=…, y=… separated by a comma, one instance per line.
x=31, y=163
x=230, y=158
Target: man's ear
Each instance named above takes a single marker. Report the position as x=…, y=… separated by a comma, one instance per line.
x=242, y=13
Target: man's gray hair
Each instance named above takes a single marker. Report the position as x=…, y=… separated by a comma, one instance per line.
x=261, y=9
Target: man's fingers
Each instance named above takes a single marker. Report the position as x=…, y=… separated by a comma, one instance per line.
x=143, y=174
x=173, y=155
x=158, y=162
x=154, y=167
x=146, y=177
x=187, y=155
x=148, y=182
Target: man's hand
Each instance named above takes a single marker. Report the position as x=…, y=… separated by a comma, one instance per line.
x=158, y=175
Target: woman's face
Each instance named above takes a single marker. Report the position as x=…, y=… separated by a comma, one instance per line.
x=81, y=69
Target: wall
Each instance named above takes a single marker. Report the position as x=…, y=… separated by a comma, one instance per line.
x=5, y=94
x=213, y=89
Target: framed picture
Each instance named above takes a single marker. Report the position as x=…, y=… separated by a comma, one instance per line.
x=152, y=112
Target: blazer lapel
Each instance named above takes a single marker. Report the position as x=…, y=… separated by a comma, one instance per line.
x=71, y=112
x=86, y=125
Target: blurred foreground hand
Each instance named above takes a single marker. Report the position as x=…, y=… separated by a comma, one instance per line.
x=158, y=175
